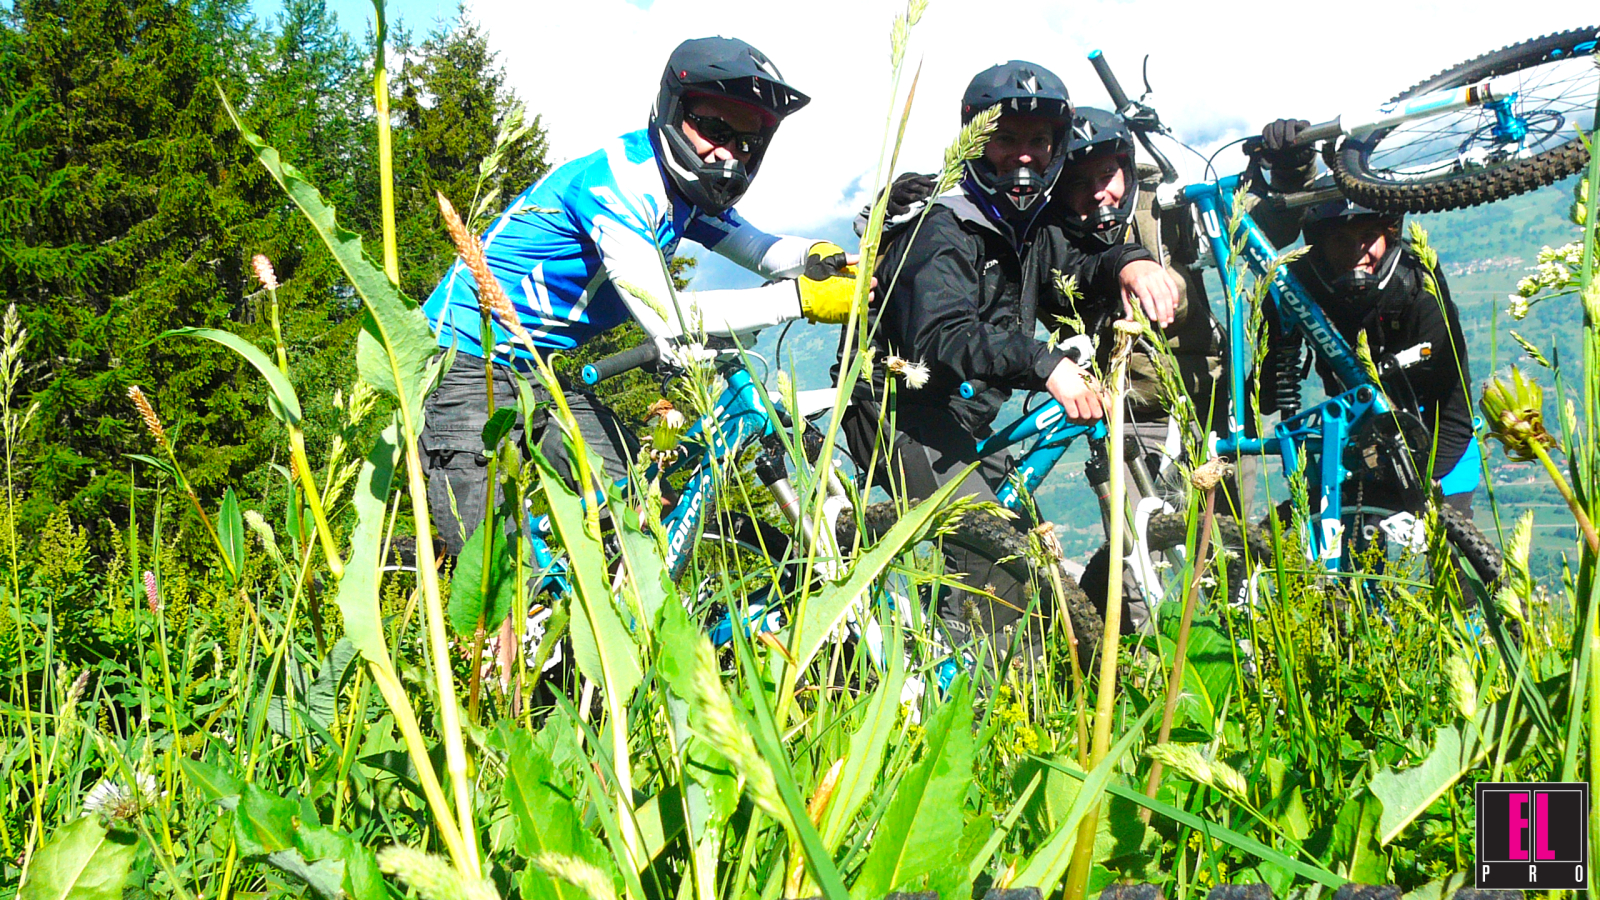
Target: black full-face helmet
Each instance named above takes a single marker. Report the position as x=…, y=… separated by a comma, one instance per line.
x=1029, y=89
x=1337, y=281
x=1098, y=134
x=717, y=67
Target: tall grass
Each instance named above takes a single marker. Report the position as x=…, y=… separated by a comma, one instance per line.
x=193, y=725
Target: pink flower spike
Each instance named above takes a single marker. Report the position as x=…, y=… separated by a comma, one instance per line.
x=152, y=595
x=269, y=278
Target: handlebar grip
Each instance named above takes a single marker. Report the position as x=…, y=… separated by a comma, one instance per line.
x=973, y=388
x=1319, y=132
x=1119, y=98
x=646, y=354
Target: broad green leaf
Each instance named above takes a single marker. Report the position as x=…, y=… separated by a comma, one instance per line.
x=217, y=783
x=498, y=426
x=648, y=587
x=1408, y=794
x=283, y=401
x=358, y=597
x=160, y=465
x=923, y=823
x=713, y=788
x=601, y=643
x=826, y=611
x=859, y=774
x=1355, y=840
x=316, y=699
x=547, y=817
x=468, y=600
x=396, y=342
x=81, y=861
x=1045, y=868
x=980, y=860
x=263, y=823
x=230, y=532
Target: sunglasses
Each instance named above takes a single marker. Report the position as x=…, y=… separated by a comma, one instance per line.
x=719, y=132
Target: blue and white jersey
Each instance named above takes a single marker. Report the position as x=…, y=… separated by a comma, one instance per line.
x=585, y=249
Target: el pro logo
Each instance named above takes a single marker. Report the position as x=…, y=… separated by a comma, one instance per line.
x=1532, y=836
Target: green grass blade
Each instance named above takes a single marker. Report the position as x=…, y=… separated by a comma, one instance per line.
x=1211, y=829
x=827, y=610
x=604, y=649
x=765, y=733
x=923, y=823
x=859, y=774
x=285, y=403
x=1045, y=868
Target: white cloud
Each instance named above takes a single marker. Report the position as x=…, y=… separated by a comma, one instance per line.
x=1220, y=70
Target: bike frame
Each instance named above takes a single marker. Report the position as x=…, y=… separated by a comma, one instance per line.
x=1316, y=436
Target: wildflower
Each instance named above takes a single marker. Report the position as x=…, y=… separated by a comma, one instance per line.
x=152, y=594
x=579, y=873
x=669, y=427
x=148, y=413
x=915, y=374
x=118, y=802
x=432, y=877
x=1463, y=689
x=1515, y=410
x=264, y=273
x=1210, y=474
x=1519, y=306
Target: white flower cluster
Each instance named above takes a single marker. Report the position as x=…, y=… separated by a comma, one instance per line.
x=1555, y=271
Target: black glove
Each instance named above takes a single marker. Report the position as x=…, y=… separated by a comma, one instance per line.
x=908, y=193
x=907, y=196
x=1277, y=144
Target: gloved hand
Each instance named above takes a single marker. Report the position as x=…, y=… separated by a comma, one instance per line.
x=907, y=196
x=828, y=285
x=1277, y=144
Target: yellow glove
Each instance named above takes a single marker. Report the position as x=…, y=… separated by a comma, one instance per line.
x=828, y=286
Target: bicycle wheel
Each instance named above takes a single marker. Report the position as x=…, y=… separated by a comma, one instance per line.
x=1170, y=531
x=1469, y=548
x=1482, y=153
x=992, y=555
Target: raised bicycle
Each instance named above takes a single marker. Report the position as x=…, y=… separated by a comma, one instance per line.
x=1492, y=127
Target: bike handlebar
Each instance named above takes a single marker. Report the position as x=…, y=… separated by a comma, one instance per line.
x=970, y=389
x=646, y=354
x=1140, y=119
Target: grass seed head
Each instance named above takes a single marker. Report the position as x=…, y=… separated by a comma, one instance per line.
x=152, y=422
x=968, y=145
x=1463, y=687
x=432, y=877
x=1183, y=758
x=579, y=873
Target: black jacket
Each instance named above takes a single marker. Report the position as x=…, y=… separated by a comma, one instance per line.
x=1402, y=314
x=959, y=296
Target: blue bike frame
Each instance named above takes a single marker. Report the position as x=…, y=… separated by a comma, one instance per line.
x=737, y=419
x=1323, y=430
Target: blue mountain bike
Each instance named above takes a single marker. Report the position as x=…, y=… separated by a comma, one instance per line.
x=1495, y=126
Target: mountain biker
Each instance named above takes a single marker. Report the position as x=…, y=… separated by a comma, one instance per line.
x=1367, y=277
x=1105, y=199
x=585, y=249
x=965, y=290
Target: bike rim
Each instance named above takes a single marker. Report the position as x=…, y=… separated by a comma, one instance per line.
x=1551, y=102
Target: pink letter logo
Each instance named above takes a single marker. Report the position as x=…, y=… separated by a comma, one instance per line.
x=1517, y=815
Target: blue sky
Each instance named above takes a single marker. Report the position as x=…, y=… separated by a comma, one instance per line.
x=356, y=15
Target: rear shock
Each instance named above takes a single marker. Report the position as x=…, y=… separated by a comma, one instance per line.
x=1287, y=357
